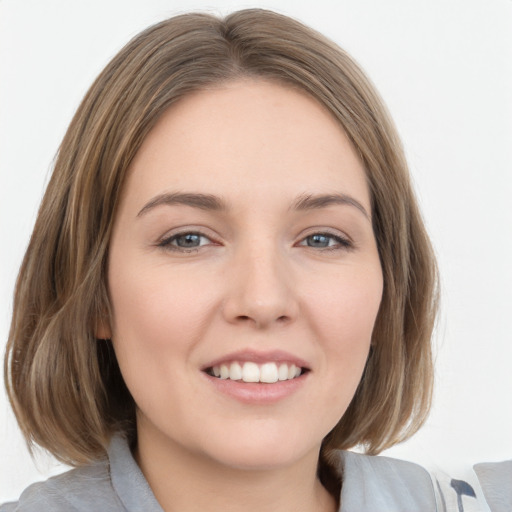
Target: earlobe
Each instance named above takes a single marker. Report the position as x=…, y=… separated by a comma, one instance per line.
x=102, y=330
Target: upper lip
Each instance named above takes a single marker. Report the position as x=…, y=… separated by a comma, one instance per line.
x=259, y=357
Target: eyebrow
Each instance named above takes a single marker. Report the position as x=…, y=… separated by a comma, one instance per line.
x=201, y=201
x=214, y=203
x=313, y=202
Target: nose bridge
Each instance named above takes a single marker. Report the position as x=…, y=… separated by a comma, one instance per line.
x=261, y=290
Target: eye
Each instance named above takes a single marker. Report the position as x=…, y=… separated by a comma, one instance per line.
x=326, y=241
x=187, y=241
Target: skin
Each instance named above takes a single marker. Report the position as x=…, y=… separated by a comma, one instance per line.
x=258, y=281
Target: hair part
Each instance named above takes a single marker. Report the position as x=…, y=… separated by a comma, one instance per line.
x=64, y=385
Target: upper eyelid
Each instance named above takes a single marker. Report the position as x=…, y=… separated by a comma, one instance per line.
x=180, y=231
x=185, y=233
x=319, y=230
x=205, y=232
x=326, y=234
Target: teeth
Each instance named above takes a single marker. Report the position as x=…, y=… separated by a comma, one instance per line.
x=252, y=372
x=283, y=372
x=235, y=371
x=224, y=371
x=269, y=373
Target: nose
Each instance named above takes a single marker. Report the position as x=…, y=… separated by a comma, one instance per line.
x=260, y=290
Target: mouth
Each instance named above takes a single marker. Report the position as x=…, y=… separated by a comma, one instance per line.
x=256, y=377
x=253, y=372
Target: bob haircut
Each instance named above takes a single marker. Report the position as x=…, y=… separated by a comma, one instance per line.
x=65, y=385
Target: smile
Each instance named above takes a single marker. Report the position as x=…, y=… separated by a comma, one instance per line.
x=249, y=371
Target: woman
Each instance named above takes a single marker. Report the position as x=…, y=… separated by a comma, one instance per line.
x=228, y=282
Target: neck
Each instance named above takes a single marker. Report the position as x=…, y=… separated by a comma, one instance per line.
x=185, y=481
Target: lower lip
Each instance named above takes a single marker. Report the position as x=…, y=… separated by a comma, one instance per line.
x=258, y=392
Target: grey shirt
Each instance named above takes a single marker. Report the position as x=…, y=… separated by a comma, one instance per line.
x=370, y=484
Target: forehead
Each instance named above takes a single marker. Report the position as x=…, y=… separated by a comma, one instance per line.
x=248, y=135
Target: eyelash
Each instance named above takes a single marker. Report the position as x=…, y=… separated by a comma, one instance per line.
x=341, y=242
x=166, y=243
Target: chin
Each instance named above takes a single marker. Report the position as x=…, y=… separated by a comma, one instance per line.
x=262, y=450
x=258, y=460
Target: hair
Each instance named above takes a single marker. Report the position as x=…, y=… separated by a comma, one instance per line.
x=64, y=385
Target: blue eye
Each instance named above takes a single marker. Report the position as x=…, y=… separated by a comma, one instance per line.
x=185, y=241
x=326, y=241
x=320, y=241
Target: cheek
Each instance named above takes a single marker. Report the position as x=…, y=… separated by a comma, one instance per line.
x=158, y=318
x=344, y=317
x=346, y=310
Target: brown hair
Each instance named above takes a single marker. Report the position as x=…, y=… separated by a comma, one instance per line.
x=64, y=385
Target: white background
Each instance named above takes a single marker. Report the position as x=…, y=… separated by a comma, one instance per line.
x=444, y=67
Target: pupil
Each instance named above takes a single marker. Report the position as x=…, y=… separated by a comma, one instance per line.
x=189, y=240
x=318, y=241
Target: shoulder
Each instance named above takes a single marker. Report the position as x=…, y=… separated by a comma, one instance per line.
x=392, y=485
x=115, y=484
x=496, y=481
x=84, y=488
x=385, y=484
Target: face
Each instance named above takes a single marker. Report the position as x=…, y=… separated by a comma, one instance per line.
x=244, y=276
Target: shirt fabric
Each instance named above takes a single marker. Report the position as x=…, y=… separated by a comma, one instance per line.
x=370, y=484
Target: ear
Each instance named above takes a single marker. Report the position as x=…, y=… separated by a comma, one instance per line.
x=102, y=330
